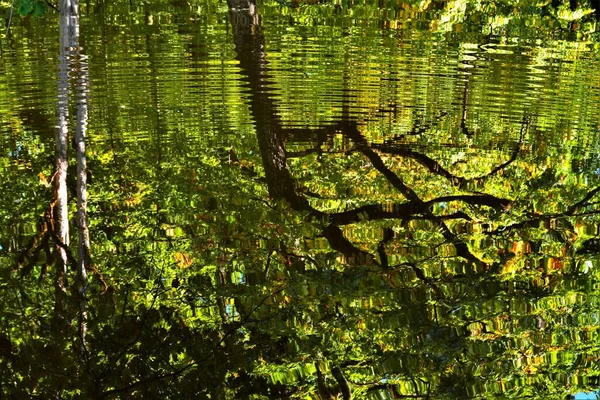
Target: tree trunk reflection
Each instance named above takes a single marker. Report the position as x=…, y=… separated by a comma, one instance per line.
x=72, y=60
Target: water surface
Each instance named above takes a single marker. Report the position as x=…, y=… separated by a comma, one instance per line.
x=319, y=201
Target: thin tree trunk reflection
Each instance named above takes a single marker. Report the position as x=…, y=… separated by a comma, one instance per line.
x=61, y=217
x=71, y=59
x=82, y=89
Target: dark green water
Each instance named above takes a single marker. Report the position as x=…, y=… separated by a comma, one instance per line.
x=396, y=201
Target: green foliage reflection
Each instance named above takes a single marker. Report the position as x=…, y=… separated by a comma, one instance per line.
x=281, y=229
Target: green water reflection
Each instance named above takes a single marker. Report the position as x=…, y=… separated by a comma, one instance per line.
x=329, y=200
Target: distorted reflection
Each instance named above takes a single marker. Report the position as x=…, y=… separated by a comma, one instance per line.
x=304, y=200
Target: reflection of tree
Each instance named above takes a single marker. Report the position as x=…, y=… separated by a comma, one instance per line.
x=453, y=334
x=61, y=226
x=434, y=167
x=282, y=185
x=70, y=58
x=81, y=90
x=54, y=226
x=400, y=297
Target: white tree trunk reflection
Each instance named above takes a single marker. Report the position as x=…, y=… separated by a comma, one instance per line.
x=71, y=60
x=61, y=212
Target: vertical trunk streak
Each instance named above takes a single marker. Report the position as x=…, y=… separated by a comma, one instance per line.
x=70, y=59
x=61, y=217
x=84, y=236
x=81, y=91
x=465, y=101
x=342, y=382
x=249, y=43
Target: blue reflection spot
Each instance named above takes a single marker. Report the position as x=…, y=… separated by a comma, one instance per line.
x=585, y=396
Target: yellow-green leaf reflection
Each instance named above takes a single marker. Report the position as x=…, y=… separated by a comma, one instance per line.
x=304, y=200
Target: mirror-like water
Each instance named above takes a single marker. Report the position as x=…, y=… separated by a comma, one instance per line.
x=335, y=200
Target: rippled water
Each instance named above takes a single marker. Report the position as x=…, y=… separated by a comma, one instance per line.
x=181, y=69
x=356, y=266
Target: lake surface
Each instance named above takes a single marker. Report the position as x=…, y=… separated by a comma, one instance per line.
x=336, y=199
